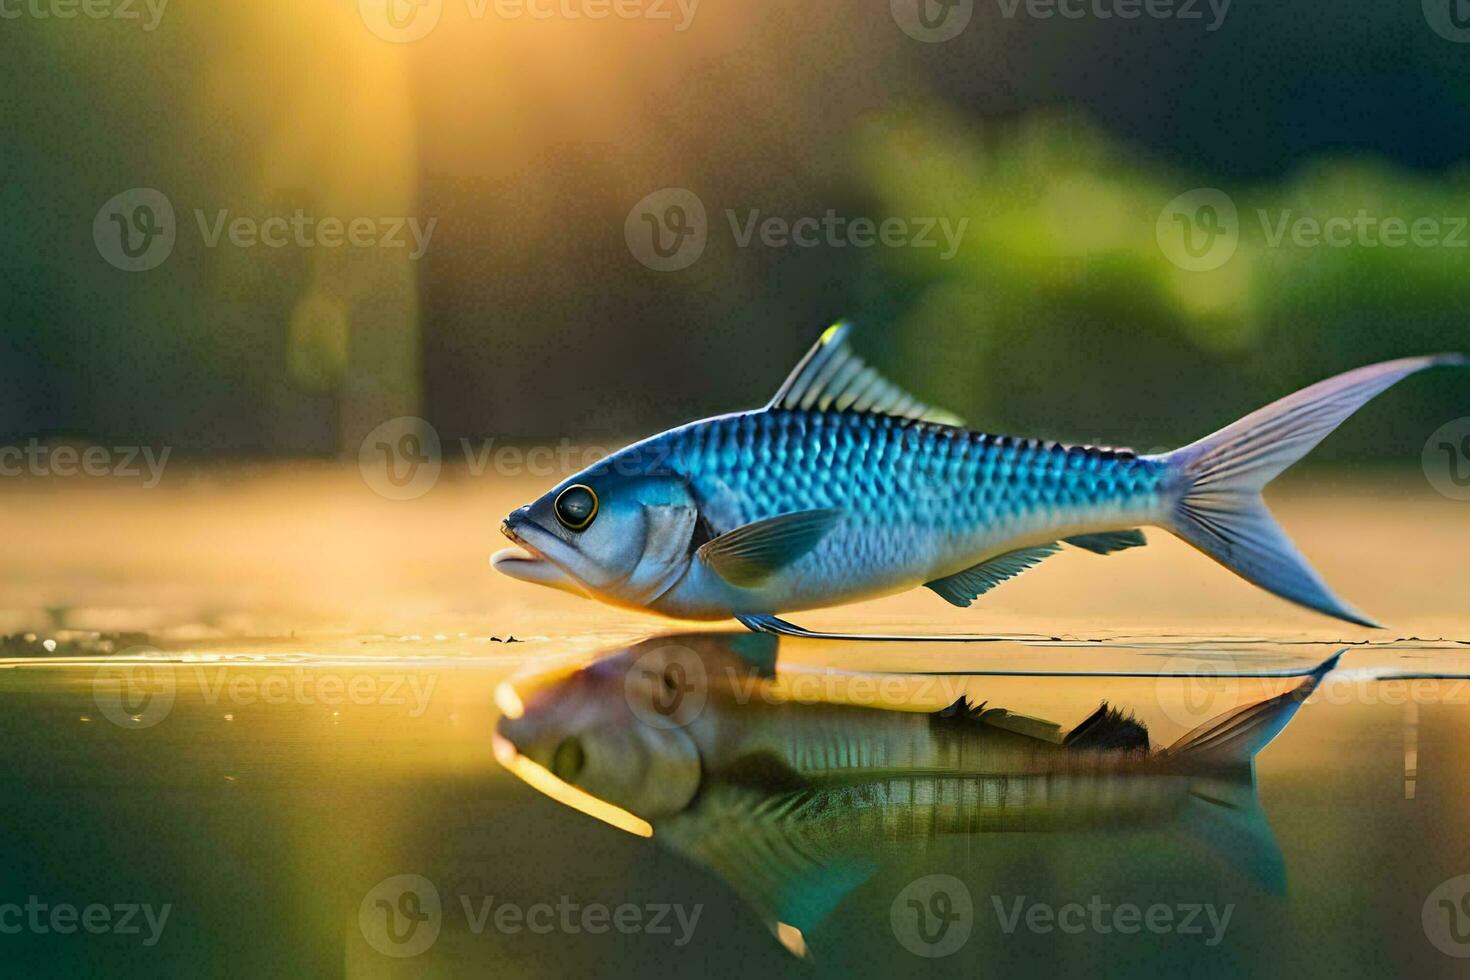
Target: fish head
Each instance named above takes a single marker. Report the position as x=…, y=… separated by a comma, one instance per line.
x=609, y=532
x=589, y=730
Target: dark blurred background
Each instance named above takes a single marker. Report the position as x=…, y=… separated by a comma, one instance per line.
x=1064, y=311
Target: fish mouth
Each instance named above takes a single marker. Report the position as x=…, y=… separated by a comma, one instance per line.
x=540, y=778
x=527, y=563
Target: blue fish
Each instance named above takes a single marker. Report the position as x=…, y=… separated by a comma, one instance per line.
x=845, y=488
x=796, y=801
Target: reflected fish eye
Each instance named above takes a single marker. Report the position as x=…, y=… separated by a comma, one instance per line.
x=575, y=507
x=568, y=759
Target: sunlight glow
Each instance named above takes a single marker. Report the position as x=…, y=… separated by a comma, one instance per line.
x=543, y=781
x=509, y=702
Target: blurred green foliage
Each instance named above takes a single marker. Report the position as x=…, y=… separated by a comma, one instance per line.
x=528, y=318
x=1063, y=304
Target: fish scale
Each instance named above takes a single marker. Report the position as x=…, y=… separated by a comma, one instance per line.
x=904, y=485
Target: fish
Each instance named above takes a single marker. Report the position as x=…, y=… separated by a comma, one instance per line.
x=797, y=800
x=844, y=487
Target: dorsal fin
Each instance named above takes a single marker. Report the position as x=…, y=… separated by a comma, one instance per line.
x=1107, y=728
x=964, y=713
x=831, y=376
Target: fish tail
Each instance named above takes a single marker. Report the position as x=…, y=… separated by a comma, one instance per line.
x=1223, y=811
x=1216, y=482
x=1231, y=740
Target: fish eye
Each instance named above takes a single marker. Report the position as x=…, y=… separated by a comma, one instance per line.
x=568, y=759
x=575, y=507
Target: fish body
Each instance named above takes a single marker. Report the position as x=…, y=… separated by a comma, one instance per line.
x=918, y=500
x=795, y=802
x=855, y=777
x=844, y=488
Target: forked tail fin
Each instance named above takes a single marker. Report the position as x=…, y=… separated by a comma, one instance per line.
x=1218, y=481
x=1223, y=811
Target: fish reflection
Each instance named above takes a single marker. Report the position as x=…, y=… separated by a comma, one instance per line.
x=796, y=803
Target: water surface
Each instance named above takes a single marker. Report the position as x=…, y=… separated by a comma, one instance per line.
x=263, y=800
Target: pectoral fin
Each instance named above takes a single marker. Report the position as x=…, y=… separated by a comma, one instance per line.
x=963, y=588
x=748, y=555
x=758, y=843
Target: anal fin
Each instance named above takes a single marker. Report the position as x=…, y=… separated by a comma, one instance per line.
x=963, y=588
x=1108, y=541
